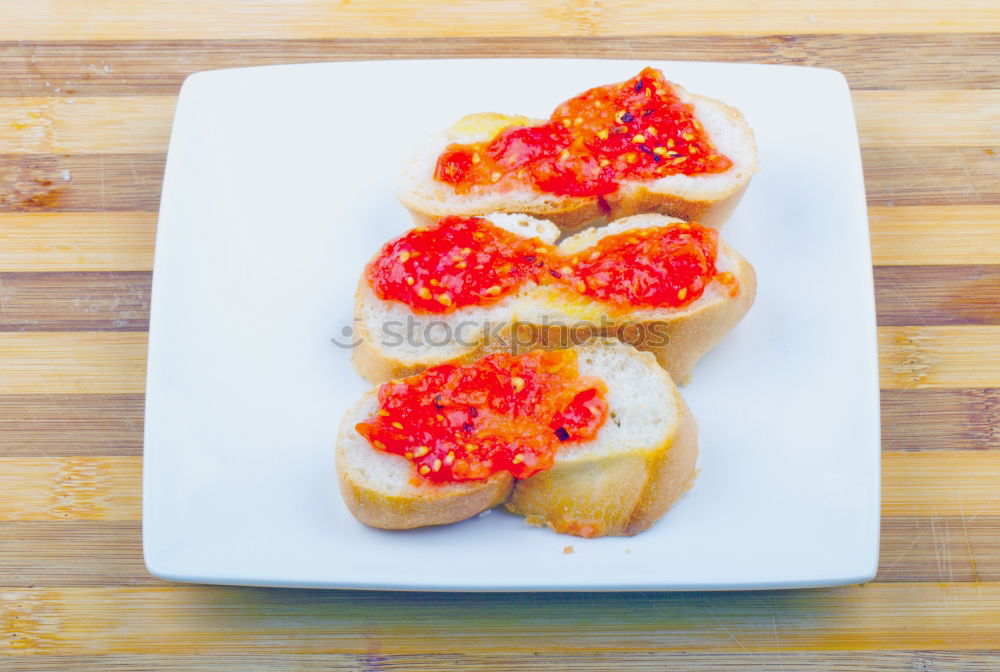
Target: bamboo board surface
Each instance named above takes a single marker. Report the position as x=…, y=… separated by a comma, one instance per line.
x=87, y=91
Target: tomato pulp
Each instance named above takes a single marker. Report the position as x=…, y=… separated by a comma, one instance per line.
x=461, y=262
x=639, y=129
x=501, y=413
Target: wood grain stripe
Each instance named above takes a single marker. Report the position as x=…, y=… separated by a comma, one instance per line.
x=123, y=241
x=99, y=301
x=114, y=362
x=932, y=175
x=70, y=125
x=197, y=619
x=298, y=19
x=109, y=553
x=947, y=548
x=961, y=118
x=78, y=241
x=947, y=356
x=70, y=488
x=131, y=124
x=95, y=425
x=538, y=661
x=936, y=295
x=936, y=234
x=928, y=419
x=100, y=182
x=905, y=61
x=931, y=484
x=71, y=425
x=87, y=182
x=72, y=363
x=75, y=301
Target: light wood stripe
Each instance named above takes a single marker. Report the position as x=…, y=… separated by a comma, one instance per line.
x=948, y=356
x=932, y=484
x=78, y=241
x=946, y=234
x=70, y=125
x=70, y=488
x=960, y=118
x=131, y=124
x=72, y=363
x=109, y=553
x=123, y=241
x=906, y=61
x=938, y=483
x=181, y=619
x=298, y=19
x=538, y=661
x=114, y=362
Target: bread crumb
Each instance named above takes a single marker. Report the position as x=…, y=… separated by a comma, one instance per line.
x=567, y=549
x=628, y=550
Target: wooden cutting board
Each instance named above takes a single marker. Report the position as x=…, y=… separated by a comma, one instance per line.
x=87, y=91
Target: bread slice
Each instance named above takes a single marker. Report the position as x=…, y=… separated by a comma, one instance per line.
x=621, y=482
x=678, y=337
x=707, y=198
x=642, y=460
x=381, y=491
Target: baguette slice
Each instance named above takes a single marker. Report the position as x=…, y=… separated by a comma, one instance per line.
x=380, y=489
x=619, y=483
x=640, y=463
x=678, y=337
x=708, y=198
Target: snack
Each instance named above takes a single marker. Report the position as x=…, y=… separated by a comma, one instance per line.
x=645, y=145
x=593, y=441
x=464, y=286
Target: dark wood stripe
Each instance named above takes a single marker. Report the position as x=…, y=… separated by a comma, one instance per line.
x=931, y=175
x=638, y=659
x=947, y=548
x=937, y=295
x=71, y=425
x=914, y=61
x=80, y=182
x=91, y=425
x=72, y=553
x=100, y=182
x=119, y=301
x=941, y=419
x=75, y=301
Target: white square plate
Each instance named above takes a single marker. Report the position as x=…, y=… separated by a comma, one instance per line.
x=280, y=185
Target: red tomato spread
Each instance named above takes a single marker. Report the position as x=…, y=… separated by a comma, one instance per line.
x=501, y=413
x=649, y=268
x=461, y=262
x=636, y=130
x=456, y=262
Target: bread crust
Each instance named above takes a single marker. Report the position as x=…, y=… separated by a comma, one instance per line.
x=612, y=495
x=419, y=504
